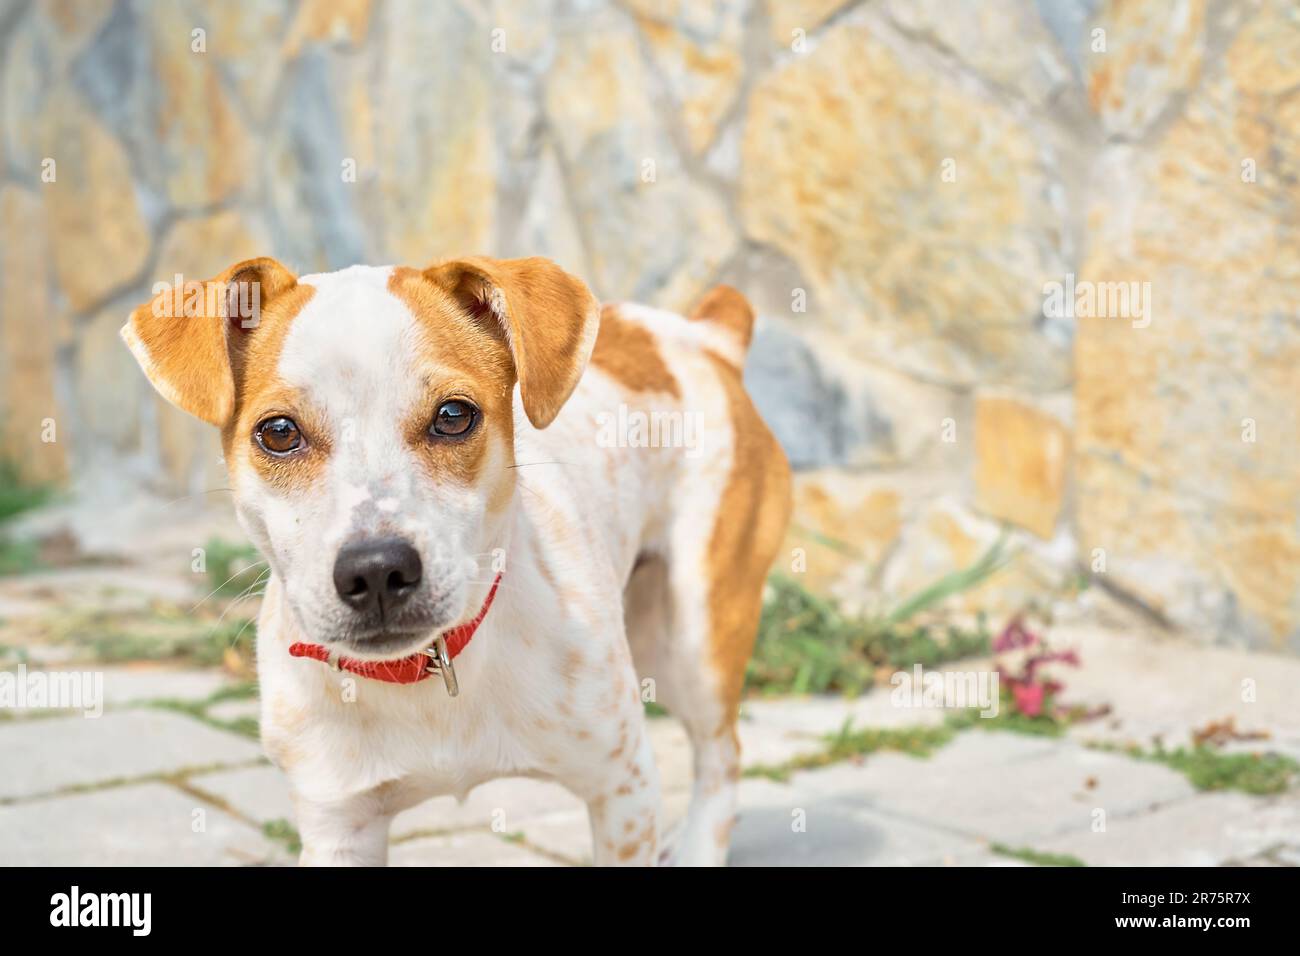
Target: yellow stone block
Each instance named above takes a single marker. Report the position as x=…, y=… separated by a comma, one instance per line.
x=1021, y=457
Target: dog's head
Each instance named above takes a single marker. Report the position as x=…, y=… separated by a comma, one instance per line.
x=367, y=418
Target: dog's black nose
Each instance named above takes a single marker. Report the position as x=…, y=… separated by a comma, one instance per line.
x=382, y=573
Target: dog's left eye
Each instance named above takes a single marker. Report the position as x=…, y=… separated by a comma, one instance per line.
x=453, y=419
x=278, y=435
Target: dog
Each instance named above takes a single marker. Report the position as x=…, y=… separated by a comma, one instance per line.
x=499, y=518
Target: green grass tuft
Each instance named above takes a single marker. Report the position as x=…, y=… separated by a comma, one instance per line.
x=1210, y=769
x=848, y=744
x=1036, y=857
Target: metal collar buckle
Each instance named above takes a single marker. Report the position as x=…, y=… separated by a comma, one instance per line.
x=440, y=663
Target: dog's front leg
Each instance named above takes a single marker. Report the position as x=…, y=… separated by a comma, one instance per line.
x=352, y=831
x=624, y=813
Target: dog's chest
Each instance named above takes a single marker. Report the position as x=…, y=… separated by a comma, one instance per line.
x=535, y=700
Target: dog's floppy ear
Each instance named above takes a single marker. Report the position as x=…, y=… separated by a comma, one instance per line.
x=547, y=317
x=190, y=337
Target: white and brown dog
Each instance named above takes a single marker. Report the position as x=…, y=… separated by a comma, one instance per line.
x=415, y=506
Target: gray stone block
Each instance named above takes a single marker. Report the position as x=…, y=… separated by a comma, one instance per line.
x=47, y=755
x=149, y=824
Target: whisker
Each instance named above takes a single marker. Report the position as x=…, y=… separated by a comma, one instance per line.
x=243, y=570
x=235, y=640
x=239, y=598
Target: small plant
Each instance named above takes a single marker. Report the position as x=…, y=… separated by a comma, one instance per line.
x=1030, y=696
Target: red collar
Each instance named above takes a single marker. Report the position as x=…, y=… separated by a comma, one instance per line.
x=408, y=670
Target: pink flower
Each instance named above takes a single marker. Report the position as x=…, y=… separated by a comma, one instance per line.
x=1028, y=698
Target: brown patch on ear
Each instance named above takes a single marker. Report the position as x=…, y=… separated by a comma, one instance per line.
x=627, y=352
x=547, y=318
x=747, y=532
x=478, y=367
x=728, y=308
x=249, y=286
x=187, y=336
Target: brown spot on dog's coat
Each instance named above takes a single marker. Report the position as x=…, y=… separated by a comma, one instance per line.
x=747, y=531
x=628, y=353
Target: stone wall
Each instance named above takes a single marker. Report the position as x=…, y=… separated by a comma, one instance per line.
x=897, y=184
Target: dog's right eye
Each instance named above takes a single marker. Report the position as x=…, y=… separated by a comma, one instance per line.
x=278, y=435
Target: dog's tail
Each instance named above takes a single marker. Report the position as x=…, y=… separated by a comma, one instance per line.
x=727, y=310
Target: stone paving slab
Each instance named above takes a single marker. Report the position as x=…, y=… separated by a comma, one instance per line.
x=235, y=709
x=130, y=685
x=1206, y=830
x=798, y=824
x=464, y=849
x=1037, y=788
x=259, y=793
x=124, y=686
x=140, y=825
x=817, y=716
x=60, y=752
